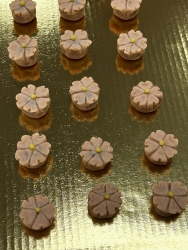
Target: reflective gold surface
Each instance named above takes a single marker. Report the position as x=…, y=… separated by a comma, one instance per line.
x=67, y=184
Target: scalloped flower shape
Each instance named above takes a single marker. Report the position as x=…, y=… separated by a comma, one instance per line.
x=33, y=101
x=72, y=10
x=145, y=97
x=85, y=93
x=37, y=213
x=96, y=153
x=169, y=198
x=24, y=51
x=75, y=44
x=32, y=151
x=160, y=147
x=23, y=11
x=126, y=9
x=104, y=201
x=131, y=46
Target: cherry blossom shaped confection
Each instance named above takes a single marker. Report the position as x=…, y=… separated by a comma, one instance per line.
x=32, y=151
x=169, y=198
x=96, y=153
x=131, y=46
x=23, y=11
x=85, y=93
x=104, y=201
x=37, y=213
x=126, y=9
x=33, y=101
x=72, y=10
x=145, y=97
x=160, y=147
x=75, y=44
x=24, y=51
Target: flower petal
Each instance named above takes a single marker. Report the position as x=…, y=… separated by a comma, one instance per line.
x=29, y=52
x=152, y=102
x=36, y=159
x=31, y=89
x=141, y=101
x=132, y=6
x=123, y=40
x=118, y=5
x=44, y=148
x=136, y=92
x=161, y=188
x=105, y=147
x=95, y=161
x=67, y=35
x=106, y=157
x=126, y=48
x=40, y=222
x=15, y=6
x=30, y=204
x=94, y=88
x=32, y=44
x=25, y=142
x=97, y=142
x=173, y=207
x=14, y=46
x=116, y=197
x=99, y=189
x=156, y=92
x=77, y=7
x=150, y=147
x=135, y=34
x=88, y=146
x=76, y=88
x=84, y=44
x=42, y=92
x=135, y=49
x=181, y=201
x=90, y=98
x=22, y=100
x=110, y=189
x=28, y=216
x=79, y=99
x=112, y=207
x=81, y=34
x=87, y=81
x=30, y=6
x=159, y=156
x=145, y=85
x=169, y=152
x=31, y=107
x=38, y=139
x=94, y=199
x=161, y=203
x=158, y=135
x=141, y=43
x=177, y=188
x=42, y=103
x=23, y=39
x=41, y=200
x=17, y=54
x=23, y=13
x=24, y=156
x=66, y=7
x=170, y=141
x=86, y=155
x=49, y=211
x=100, y=210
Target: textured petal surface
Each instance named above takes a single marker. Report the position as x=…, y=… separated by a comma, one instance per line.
x=97, y=142
x=161, y=188
x=31, y=89
x=25, y=142
x=170, y=141
x=100, y=210
x=161, y=203
x=24, y=156
x=40, y=222
x=38, y=139
x=44, y=148
x=36, y=159
x=94, y=199
x=41, y=200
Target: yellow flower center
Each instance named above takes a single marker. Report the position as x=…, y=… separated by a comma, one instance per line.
x=107, y=196
x=84, y=89
x=23, y=45
x=32, y=146
x=33, y=96
x=133, y=40
x=161, y=142
x=73, y=37
x=37, y=209
x=147, y=91
x=170, y=194
x=98, y=150
x=22, y=3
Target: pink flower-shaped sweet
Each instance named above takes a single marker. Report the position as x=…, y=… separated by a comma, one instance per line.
x=131, y=46
x=104, y=201
x=96, y=153
x=33, y=101
x=160, y=147
x=23, y=11
x=24, y=51
x=75, y=44
x=169, y=198
x=85, y=93
x=145, y=97
x=32, y=151
x=126, y=9
x=37, y=213
x=72, y=9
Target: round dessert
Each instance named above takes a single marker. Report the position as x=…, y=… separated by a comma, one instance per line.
x=32, y=151
x=85, y=93
x=33, y=101
x=96, y=153
x=145, y=97
x=75, y=44
x=131, y=46
x=160, y=147
x=72, y=10
x=169, y=198
x=126, y=9
x=37, y=213
x=23, y=11
x=24, y=51
x=104, y=201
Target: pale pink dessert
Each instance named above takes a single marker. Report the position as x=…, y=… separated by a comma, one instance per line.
x=33, y=101
x=96, y=153
x=37, y=213
x=23, y=11
x=169, y=198
x=145, y=97
x=160, y=147
x=72, y=10
x=126, y=9
x=104, y=201
x=85, y=93
x=32, y=151
x=75, y=44
x=24, y=51
x=131, y=46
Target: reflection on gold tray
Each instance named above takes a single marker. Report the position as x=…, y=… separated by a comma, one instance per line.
x=72, y=25
x=35, y=125
x=131, y=67
x=143, y=117
x=119, y=26
x=23, y=73
x=29, y=29
x=36, y=173
x=153, y=169
x=75, y=66
x=80, y=115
